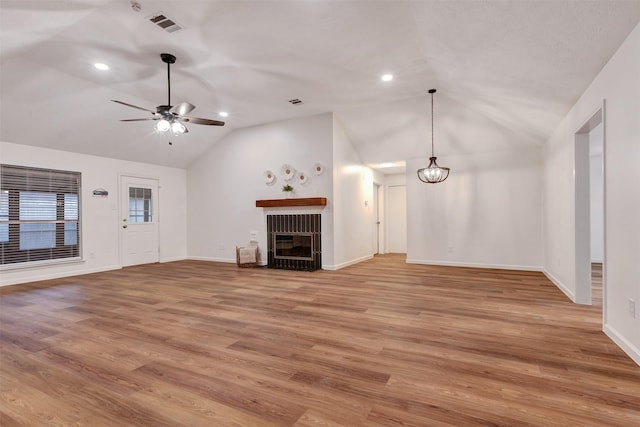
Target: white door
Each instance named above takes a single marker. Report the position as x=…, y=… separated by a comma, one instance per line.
x=397, y=219
x=376, y=219
x=139, y=220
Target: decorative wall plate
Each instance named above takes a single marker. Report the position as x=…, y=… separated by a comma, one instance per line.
x=318, y=169
x=269, y=177
x=302, y=178
x=288, y=172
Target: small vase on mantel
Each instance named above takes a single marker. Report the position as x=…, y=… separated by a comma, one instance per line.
x=288, y=191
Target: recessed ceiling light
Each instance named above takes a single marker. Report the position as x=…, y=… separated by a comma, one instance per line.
x=387, y=77
x=223, y=114
x=385, y=165
x=101, y=66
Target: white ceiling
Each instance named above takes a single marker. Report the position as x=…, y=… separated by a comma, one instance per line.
x=506, y=71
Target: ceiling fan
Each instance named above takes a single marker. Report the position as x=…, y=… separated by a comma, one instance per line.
x=171, y=117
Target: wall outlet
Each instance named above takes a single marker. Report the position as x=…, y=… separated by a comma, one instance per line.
x=632, y=308
x=253, y=236
x=92, y=255
x=221, y=248
x=450, y=249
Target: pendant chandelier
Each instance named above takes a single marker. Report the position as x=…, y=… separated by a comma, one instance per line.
x=433, y=173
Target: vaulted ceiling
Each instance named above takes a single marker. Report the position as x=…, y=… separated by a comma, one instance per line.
x=506, y=71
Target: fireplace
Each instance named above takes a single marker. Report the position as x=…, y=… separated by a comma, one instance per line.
x=293, y=242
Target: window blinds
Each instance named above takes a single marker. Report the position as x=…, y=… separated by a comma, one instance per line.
x=39, y=214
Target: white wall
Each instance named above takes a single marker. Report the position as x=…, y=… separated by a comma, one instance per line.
x=619, y=84
x=596, y=195
x=353, y=218
x=224, y=184
x=486, y=214
x=100, y=216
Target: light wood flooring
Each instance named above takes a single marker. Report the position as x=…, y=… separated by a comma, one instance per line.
x=596, y=284
x=381, y=343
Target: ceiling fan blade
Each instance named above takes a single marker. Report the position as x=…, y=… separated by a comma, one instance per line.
x=134, y=106
x=140, y=120
x=182, y=109
x=199, y=121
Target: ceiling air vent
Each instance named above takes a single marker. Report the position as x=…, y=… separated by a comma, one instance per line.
x=295, y=101
x=163, y=22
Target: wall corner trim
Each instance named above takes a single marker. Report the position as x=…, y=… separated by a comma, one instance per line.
x=560, y=286
x=632, y=351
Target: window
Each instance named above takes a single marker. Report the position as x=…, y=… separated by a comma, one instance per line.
x=140, y=205
x=39, y=214
x=4, y=216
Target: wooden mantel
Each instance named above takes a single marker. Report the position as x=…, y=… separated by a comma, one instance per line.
x=278, y=203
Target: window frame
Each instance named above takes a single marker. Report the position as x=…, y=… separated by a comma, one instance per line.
x=23, y=179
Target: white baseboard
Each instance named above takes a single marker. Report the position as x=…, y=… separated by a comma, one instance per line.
x=212, y=259
x=473, y=265
x=58, y=275
x=600, y=261
x=177, y=258
x=347, y=263
x=560, y=286
x=632, y=351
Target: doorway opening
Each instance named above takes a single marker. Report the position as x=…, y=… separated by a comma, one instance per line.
x=589, y=211
x=596, y=220
x=378, y=230
x=397, y=219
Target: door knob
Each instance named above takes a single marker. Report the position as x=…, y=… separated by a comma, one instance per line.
x=124, y=226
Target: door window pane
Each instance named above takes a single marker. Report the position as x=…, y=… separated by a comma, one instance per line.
x=140, y=205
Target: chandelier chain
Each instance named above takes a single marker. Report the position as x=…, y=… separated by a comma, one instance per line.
x=431, y=124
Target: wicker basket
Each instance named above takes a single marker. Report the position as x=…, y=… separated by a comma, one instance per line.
x=255, y=259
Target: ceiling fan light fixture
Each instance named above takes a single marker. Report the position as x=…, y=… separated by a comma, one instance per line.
x=167, y=116
x=433, y=173
x=223, y=114
x=163, y=125
x=101, y=66
x=177, y=127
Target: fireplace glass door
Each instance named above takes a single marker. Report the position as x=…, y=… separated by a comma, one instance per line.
x=293, y=246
